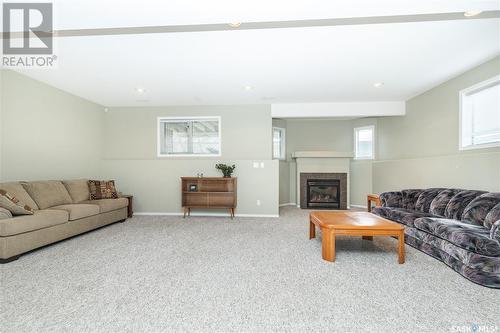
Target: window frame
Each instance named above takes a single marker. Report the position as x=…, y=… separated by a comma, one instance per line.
x=159, y=121
x=282, y=143
x=462, y=95
x=356, y=129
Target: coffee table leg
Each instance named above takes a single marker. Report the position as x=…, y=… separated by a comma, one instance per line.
x=312, y=230
x=328, y=244
x=402, y=247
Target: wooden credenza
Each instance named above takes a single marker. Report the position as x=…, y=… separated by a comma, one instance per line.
x=208, y=192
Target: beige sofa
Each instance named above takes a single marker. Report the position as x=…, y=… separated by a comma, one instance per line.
x=62, y=210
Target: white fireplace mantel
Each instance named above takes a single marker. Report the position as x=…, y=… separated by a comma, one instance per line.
x=322, y=162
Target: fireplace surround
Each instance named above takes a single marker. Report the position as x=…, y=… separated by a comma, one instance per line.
x=323, y=190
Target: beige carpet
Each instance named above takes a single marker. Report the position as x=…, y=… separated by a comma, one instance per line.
x=167, y=274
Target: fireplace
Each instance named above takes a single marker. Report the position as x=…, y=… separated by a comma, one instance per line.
x=324, y=190
x=323, y=193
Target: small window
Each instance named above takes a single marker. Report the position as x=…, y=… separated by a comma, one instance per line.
x=364, y=142
x=279, y=152
x=200, y=136
x=480, y=115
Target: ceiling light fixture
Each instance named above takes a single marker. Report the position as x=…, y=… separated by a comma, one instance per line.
x=235, y=24
x=140, y=90
x=471, y=13
x=378, y=84
x=248, y=88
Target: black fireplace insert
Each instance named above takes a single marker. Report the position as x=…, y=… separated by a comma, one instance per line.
x=323, y=193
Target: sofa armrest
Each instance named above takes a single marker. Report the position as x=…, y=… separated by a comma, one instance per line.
x=372, y=198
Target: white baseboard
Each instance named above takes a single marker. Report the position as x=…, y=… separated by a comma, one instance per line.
x=288, y=204
x=359, y=206
x=203, y=214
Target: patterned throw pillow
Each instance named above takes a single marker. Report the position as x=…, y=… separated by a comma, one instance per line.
x=102, y=189
x=13, y=205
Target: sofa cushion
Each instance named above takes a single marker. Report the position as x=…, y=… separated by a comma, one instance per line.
x=48, y=193
x=78, y=189
x=410, y=198
x=391, y=199
x=401, y=215
x=39, y=220
x=492, y=217
x=425, y=199
x=17, y=190
x=477, y=210
x=457, y=204
x=12, y=204
x=471, y=237
x=107, y=205
x=102, y=189
x=438, y=205
x=5, y=214
x=78, y=211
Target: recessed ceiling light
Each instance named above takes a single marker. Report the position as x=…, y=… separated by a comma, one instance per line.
x=235, y=24
x=471, y=13
x=378, y=84
x=248, y=88
x=140, y=90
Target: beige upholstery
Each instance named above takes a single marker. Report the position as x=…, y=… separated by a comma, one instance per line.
x=78, y=189
x=108, y=205
x=13, y=245
x=48, y=193
x=78, y=211
x=17, y=190
x=25, y=223
x=5, y=214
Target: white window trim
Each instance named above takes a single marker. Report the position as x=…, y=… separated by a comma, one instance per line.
x=356, y=129
x=462, y=94
x=283, y=151
x=158, y=136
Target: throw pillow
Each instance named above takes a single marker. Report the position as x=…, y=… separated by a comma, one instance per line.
x=5, y=214
x=13, y=205
x=102, y=189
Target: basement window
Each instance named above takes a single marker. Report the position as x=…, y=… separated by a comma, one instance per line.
x=279, y=144
x=480, y=115
x=189, y=136
x=364, y=143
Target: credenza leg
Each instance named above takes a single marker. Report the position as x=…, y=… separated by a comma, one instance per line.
x=185, y=210
x=189, y=211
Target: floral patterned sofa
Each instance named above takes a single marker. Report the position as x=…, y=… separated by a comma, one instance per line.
x=459, y=227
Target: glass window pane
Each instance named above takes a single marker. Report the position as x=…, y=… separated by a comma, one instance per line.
x=176, y=137
x=364, y=143
x=278, y=143
x=206, y=137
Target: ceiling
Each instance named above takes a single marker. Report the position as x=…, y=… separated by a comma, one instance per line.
x=308, y=64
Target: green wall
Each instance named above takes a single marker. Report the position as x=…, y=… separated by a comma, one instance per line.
x=421, y=149
x=130, y=156
x=46, y=133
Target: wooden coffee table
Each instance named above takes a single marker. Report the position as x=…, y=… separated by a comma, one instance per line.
x=367, y=225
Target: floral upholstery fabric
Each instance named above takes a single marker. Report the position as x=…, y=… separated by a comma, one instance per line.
x=492, y=217
x=425, y=199
x=456, y=228
x=401, y=215
x=470, y=237
x=457, y=204
x=438, y=205
x=478, y=209
x=410, y=198
x=391, y=199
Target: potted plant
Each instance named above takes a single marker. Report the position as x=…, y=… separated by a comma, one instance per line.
x=227, y=170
